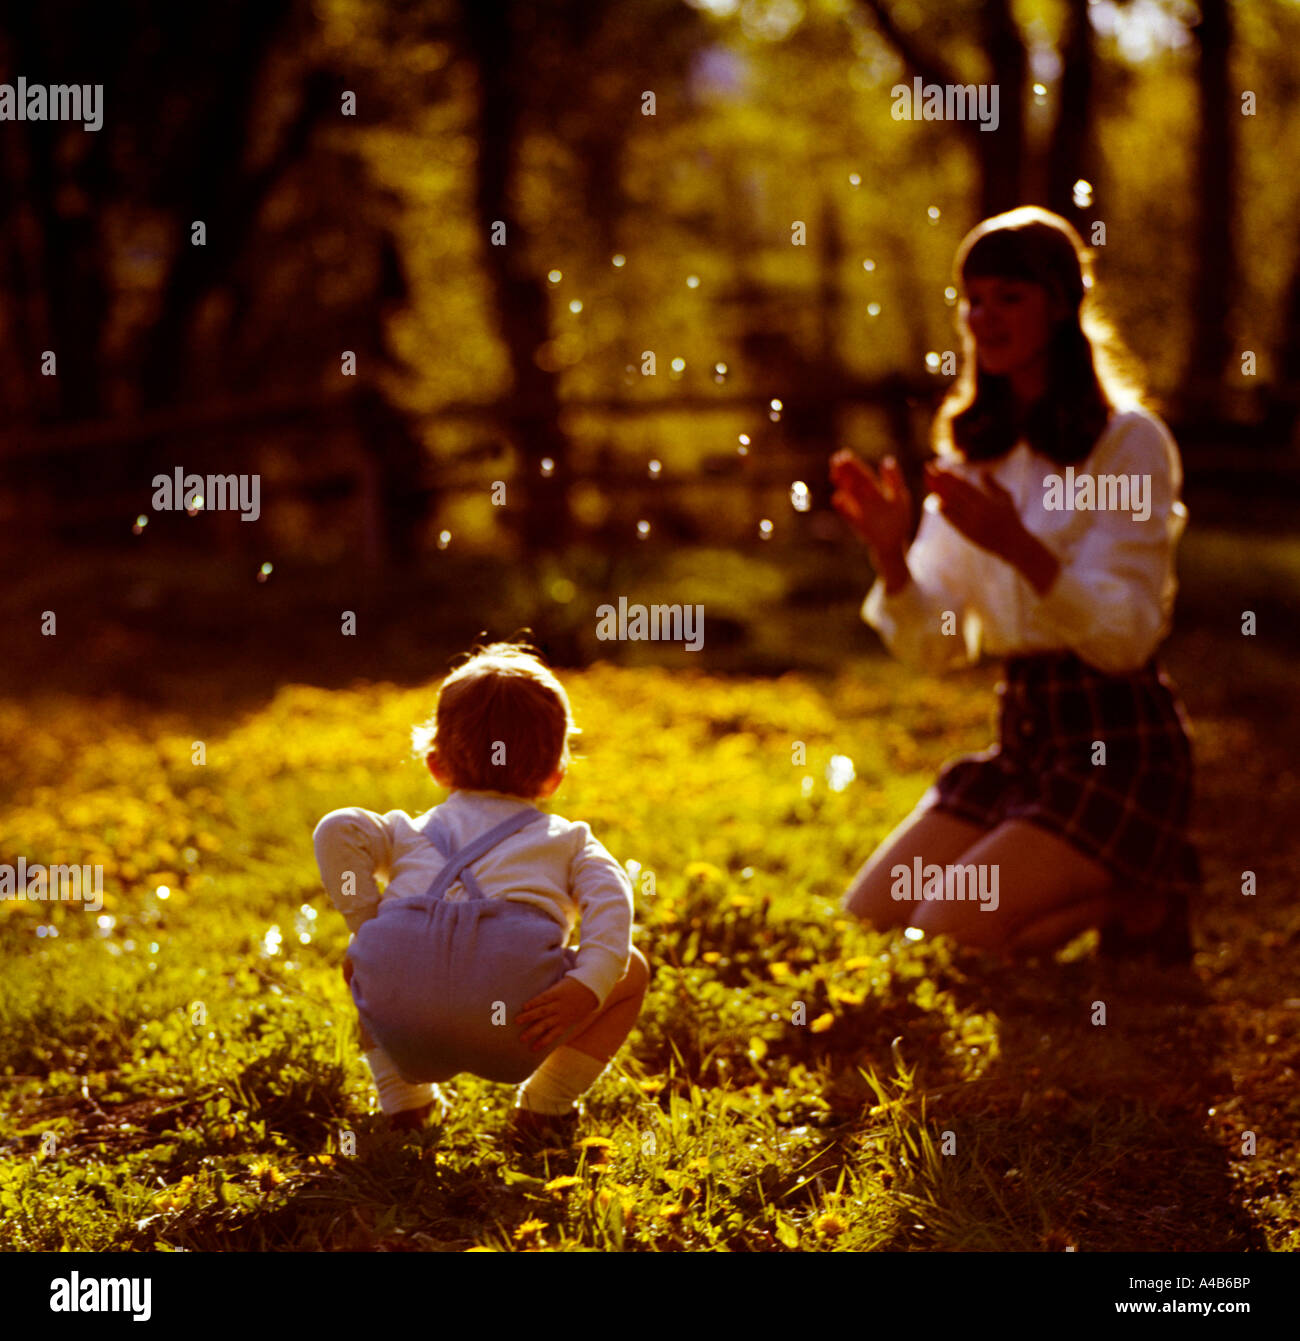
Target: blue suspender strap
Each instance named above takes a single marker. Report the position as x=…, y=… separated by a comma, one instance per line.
x=472, y=851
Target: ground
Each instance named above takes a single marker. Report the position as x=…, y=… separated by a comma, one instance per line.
x=183, y=1072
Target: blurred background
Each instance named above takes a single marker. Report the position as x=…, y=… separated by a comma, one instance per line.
x=651, y=366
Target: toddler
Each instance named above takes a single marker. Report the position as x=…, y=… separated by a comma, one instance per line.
x=460, y=962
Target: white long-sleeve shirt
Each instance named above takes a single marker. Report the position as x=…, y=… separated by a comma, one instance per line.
x=556, y=866
x=1112, y=601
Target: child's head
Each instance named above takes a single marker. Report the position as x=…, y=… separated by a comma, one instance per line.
x=1024, y=277
x=502, y=723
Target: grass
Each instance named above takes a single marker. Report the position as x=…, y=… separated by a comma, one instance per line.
x=182, y=1069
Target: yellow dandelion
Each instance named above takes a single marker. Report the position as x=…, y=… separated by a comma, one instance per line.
x=710, y=956
x=822, y=1023
x=562, y=1184
x=267, y=1175
x=320, y=1159
x=528, y=1229
x=830, y=1225
x=671, y=1210
x=847, y=998
x=593, y=1142
x=779, y=970
x=860, y=962
x=703, y=871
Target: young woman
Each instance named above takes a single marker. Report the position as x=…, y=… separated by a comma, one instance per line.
x=1047, y=538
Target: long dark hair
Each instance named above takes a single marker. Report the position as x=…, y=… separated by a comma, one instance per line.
x=1090, y=372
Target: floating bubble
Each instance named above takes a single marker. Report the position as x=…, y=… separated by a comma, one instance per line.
x=196, y=506
x=163, y=892
x=744, y=439
x=271, y=941
x=444, y=539
x=914, y=934
x=105, y=922
x=806, y=787
x=618, y=260
x=854, y=179
x=555, y=276
x=140, y=523
x=575, y=306
x=775, y=404
x=642, y=529
x=747, y=873
x=868, y=264
x=1040, y=90
x=678, y=365
x=692, y=281
x=765, y=529
x=719, y=372
x=548, y=467
x=932, y=361
x=1082, y=194
x=633, y=868
x=950, y=295
x=800, y=496
x=264, y=572
x=839, y=772
x=655, y=469
x=873, y=309
x=933, y=212
x=742, y=450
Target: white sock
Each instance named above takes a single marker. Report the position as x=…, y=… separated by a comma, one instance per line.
x=396, y=1095
x=560, y=1081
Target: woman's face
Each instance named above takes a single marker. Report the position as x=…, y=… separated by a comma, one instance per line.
x=1011, y=321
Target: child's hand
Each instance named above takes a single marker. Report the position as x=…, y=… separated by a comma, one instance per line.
x=548, y=1016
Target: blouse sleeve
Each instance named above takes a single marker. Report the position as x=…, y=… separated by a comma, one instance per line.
x=912, y=621
x=1113, y=598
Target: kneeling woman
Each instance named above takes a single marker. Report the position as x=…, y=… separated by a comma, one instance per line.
x=1047, y=538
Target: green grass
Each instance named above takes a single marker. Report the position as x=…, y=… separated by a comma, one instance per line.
x=177, y=1079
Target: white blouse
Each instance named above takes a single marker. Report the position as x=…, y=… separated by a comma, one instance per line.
x=1112, y=601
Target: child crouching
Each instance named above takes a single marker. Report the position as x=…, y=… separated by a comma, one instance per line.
x=460, y=963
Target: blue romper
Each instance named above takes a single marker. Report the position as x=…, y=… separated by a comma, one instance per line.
x=439, y=985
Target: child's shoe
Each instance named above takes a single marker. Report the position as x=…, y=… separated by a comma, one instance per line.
x=536, y=1131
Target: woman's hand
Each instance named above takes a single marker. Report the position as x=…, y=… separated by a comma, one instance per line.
x=550, y=1014
x=878, y=508
x=986, y=517
x=989, y=518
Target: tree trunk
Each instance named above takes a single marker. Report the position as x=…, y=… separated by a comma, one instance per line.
x=1215, y=274
x=518, y=291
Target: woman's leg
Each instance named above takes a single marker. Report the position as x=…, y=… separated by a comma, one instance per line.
x=934, y=836
x=1048, y=892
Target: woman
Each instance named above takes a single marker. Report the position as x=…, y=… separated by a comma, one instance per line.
x=1047, y=538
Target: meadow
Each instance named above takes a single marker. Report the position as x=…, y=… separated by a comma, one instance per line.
x=182, y=1068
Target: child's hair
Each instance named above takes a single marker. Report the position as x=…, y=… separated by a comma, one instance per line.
x=502, y=722
x=1090, y=372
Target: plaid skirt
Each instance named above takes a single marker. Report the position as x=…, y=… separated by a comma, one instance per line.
x=1127, y=810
